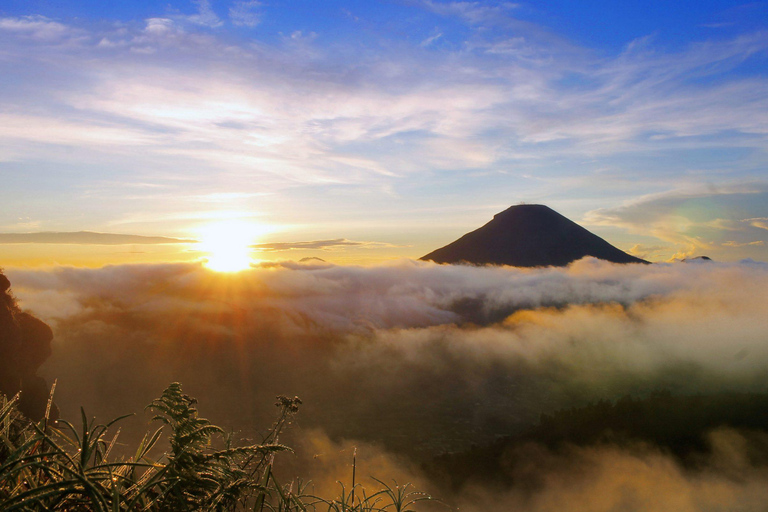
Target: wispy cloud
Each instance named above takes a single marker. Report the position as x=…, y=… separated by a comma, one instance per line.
x=650, y=252
x=732, y=243
x=692, y=220
x=246, y=13
x=189, y=103
x=639, y=93
x=472, y=12
x=205, y=15
x=431, y=39
x=758, y=222
x=324, y=245
x=87, y=238
x=38, y=28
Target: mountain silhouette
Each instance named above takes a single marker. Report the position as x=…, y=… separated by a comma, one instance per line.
x=529, y=235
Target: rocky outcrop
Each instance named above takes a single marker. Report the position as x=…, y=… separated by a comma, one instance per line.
x=25, y=344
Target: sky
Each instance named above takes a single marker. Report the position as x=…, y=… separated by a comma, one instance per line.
x=138, y=139
x=359, y=132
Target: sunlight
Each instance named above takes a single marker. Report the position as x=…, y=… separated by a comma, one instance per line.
x=228, y=244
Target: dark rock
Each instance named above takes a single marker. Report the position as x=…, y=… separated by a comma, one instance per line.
x=36, y=340
x=25, y=344
x=529, y=235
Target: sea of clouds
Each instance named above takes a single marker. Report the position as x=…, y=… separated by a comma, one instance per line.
x=410, y=359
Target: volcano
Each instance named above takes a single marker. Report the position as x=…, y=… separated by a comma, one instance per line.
x=529, y=235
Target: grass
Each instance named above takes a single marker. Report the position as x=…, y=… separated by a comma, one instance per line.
x=68, y=467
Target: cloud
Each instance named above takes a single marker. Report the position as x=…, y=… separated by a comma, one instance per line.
x=758, y=222
x=325, y=462
x=472, y=12
x=87, y=238
x=377, y=117
x=246, y=13
x=637, y=478
x=431, y=39
x=731, y=243
x=421, y=344
x=693, y=220
x=158, y=26
x=324, y=245
x=38, y=28
x=648, y=252
x=411, y=359
x=205, y=15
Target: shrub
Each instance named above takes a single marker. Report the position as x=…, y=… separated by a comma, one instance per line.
x=62, y=467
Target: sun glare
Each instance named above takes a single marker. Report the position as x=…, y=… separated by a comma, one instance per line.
x=228, y=245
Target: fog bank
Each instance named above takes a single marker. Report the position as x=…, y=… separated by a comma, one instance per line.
x=420, y=356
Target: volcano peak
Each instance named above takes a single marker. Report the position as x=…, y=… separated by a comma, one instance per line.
x=529, y=235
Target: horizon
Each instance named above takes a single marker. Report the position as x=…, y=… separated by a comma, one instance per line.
x=225, y=250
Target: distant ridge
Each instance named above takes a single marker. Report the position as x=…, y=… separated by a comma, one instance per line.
x=697, y=259
x=529, y=235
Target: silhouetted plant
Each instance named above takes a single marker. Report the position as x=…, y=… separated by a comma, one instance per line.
x=69, y=468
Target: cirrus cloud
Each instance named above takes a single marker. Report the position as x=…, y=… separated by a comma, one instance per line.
x=88, y=238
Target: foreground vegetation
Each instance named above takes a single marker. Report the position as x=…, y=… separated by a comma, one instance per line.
x=63, y=467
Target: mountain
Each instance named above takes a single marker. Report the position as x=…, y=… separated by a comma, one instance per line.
x=529, y=235
x=697, y=259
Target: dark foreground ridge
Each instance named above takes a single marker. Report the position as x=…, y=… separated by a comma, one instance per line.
x=25, y=344
x=529, y=235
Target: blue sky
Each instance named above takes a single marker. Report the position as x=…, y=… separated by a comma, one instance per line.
x=398, y=125
x=600, y=25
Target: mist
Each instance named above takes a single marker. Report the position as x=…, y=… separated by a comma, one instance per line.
x=414, y=359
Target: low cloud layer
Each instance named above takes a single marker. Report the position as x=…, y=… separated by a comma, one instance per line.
x=606, y=478
x=634, y=479
x=418, y=358
x=489, y=348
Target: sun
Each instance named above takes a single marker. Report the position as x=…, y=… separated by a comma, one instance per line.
x=228, y=245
